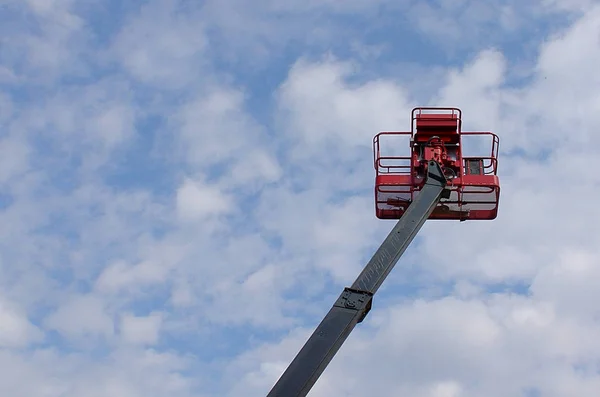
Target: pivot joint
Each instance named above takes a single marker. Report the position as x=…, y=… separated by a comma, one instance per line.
x=355, y=299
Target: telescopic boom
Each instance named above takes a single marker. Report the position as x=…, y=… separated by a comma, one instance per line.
x=355, y=302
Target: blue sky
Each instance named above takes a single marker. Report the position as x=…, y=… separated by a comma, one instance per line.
x=186, y=187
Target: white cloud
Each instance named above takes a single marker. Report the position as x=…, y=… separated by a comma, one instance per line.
x=534, y=119
x=48, y=7
x=15, y=328
x=320, y=106
x=451, y=342
x=121, y=276
x=261, y=289
x=154, y=164
x=141, y=330
x=257, y=166
x=40, y=55
x=197, y=200
x=481, y=78
x=162, y=45
x=446, y=389
x=126, y=374
x=569, y=5
x=7, y=76
x=465, y=22
x=215, y=127
x=568, y=281
x=102, y=114
x=565, y=92
x=497, y=347
x=113, y=124
x=81, y=317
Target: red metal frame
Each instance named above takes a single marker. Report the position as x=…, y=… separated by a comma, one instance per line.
x=473, y=195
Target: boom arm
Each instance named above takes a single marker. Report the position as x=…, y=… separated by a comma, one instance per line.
x=355, y=302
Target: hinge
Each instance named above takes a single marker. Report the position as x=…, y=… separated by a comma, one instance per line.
x=357, y=300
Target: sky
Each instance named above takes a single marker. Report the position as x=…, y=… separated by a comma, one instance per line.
x=186, y=187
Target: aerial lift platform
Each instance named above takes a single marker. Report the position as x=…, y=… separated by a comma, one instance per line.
x=435, y=181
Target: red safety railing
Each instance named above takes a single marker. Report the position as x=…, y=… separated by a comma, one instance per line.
x=490, y=163
x=433, y=111
x=400, y=165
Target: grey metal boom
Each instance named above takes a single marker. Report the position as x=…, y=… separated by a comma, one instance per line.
x=355, y=302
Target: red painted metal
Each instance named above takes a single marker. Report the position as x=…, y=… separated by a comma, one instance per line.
x=436, y=134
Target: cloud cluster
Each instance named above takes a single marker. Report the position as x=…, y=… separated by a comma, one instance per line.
x=186, y=188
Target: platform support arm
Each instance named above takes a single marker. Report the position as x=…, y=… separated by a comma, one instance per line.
x=355, y=302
